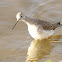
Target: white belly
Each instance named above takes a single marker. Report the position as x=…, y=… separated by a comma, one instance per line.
x=39, y=34
x=32, y=31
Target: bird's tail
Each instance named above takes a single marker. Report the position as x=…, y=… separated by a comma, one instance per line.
x=59, y=24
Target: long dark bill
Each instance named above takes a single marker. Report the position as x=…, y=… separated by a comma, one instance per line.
x=14, y=25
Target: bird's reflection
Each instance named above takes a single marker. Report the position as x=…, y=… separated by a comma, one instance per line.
x=38, y=50
x=41, y=48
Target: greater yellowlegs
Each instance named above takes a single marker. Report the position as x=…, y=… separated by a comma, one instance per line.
x=37, y=28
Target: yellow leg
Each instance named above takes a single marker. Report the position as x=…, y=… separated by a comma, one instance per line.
x=34, y=61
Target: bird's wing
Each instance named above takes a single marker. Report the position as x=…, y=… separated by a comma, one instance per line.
x=46, y=25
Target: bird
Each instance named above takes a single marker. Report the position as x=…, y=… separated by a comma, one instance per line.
x=38, y=29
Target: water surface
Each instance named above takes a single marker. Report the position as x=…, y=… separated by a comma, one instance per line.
x=14, y=44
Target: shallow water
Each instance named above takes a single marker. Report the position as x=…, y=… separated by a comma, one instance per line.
x=14, y=44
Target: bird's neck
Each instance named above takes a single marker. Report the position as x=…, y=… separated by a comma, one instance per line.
x=27, y=20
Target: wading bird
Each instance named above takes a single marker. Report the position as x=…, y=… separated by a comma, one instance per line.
x=37, y=28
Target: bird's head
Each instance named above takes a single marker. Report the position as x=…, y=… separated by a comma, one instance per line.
x=19, y=17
